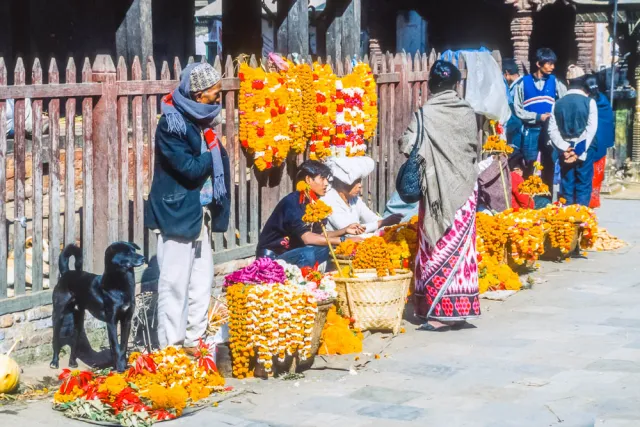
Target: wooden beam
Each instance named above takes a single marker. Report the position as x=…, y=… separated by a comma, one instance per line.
x=343, y=33
x=293, y=27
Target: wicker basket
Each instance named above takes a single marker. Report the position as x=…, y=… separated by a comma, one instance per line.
x=376, y=303
x=344, y=261
x=555, y=254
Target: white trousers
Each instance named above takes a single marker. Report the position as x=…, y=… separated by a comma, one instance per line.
x=184, y=291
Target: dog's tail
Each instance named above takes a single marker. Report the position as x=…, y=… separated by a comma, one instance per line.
x=68, y=252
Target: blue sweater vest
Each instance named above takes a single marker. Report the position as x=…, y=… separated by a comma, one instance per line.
x=539, y=101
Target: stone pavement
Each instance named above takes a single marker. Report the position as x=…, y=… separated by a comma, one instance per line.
x=566, y=353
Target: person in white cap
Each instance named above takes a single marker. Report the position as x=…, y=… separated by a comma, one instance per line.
x=344, y=196
x=189, y=191
x=572, y=127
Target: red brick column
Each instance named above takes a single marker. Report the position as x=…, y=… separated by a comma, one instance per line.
x=521, y=28
x=585, y=38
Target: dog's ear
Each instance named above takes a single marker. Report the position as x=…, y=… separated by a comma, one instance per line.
x=136, y=247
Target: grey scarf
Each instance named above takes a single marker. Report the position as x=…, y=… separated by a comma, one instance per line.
x=449, y=151
x=178, y=105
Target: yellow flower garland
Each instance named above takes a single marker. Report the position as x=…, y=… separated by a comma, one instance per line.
x=276, y=320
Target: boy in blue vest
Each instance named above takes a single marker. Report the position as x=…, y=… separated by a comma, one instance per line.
x=535, y=96
x=572, y=128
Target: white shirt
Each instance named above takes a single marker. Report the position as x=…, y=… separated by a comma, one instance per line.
x=346, y=214
x=588, y=134
x=9, y=112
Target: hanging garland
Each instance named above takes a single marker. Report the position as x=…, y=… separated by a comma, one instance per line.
x=264, y=124
x=284, y=110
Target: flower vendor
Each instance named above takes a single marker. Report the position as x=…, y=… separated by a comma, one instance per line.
x=518, y=200
x=446, y=288
x=605, y=136
x=344, y=196
x=535, y=96
x=286, y=236
x=572, y=129
x=188, y=193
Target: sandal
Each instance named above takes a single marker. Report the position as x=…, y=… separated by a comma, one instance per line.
x=430, y=328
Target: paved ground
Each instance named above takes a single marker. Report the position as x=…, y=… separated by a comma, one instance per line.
x=566, y=353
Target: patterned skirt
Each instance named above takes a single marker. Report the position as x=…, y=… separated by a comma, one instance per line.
x=447, y=275
x=598, y=177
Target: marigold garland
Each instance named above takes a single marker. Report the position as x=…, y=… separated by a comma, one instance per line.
x=495, y=276
x=563, y=221
x=324, y=83
x=316, y=211
x=264, y=124
x=491, y=236
x=533, y=186
x=276, y=321
x=347, y=248
x=374, y=253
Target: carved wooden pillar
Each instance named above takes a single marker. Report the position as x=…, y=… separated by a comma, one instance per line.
x=521, y=28
x=585, y=38
x=635, y=147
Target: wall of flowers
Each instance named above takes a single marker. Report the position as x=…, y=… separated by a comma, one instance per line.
x=297, y=106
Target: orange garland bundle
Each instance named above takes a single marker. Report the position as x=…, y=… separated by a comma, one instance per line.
x=264, y=122
x=324, y=83
x=374, y=253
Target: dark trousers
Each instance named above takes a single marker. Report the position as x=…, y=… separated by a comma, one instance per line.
x=530, y=148
x=576, y=182
x=548, y=158
x=306, y=256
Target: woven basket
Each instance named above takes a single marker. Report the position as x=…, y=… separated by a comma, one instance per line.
x=555, y=254
x=344, y=261
x=376, y=303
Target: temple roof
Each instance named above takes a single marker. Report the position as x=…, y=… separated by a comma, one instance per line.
x=215, y=9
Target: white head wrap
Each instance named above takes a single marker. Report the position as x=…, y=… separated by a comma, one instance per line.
x=350, y=169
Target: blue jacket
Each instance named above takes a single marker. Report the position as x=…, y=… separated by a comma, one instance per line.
x=180, y=170
x=605, y=135
x=539, y=101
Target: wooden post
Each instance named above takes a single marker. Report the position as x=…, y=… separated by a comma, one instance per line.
x=343, y=34
x=19, y=156
x=4, y=243
x=105, y=158
x=134, y=37
x=293, y=27
x=242, y=27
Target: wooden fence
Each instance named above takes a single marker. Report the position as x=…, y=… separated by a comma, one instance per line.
x=94, y=194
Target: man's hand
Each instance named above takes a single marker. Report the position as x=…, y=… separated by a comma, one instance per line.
x=391, y=220
x=544, y=117
x=354, y=229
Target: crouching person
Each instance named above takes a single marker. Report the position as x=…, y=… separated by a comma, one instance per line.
x=189, y=177
x=287, y=237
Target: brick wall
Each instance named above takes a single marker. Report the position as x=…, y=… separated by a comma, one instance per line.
x=35, y=327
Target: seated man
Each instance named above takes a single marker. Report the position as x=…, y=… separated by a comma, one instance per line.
x=286, y=237
x=344, y=196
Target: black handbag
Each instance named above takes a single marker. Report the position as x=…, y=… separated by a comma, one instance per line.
x=410, y=173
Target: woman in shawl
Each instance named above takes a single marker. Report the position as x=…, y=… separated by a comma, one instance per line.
x=446, y=290
x=604, y=139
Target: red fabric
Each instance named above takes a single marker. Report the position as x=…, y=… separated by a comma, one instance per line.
x=519, y=200
x=598, y=177
x=211, y=138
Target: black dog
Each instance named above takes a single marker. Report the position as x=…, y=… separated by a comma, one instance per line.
x=109, y=298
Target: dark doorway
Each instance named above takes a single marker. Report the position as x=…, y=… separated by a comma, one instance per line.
x=553, y=27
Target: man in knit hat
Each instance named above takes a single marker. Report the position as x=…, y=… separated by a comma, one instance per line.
x=188, y=185
x=572, y=127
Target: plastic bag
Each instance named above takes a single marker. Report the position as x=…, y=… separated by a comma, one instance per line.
x=486, y=90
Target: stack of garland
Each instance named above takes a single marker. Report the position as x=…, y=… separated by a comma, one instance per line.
x=157, y=387
x=520, y=238
x=272, y=310
x=282, y=111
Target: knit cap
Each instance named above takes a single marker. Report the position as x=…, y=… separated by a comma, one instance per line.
x=202, y=77
x=574, y=72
